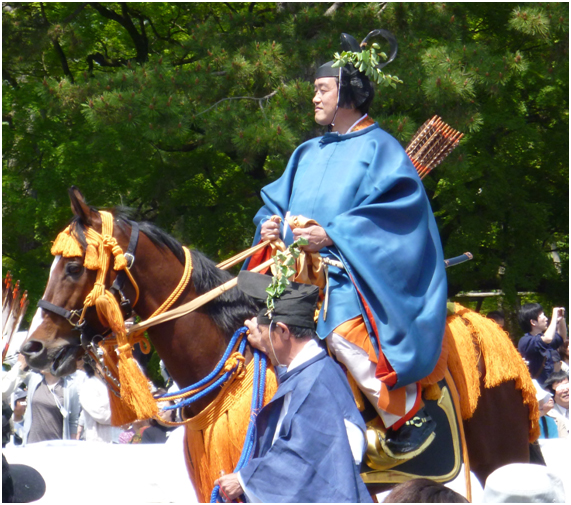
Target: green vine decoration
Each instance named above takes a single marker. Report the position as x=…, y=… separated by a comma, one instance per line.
x=367, y=61
x=285, y=265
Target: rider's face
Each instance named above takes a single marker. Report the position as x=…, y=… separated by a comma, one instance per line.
x=325, y=100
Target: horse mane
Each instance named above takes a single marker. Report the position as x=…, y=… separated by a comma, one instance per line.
x=228, y=311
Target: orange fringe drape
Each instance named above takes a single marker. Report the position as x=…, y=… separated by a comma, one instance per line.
x=469, y=337
x=215, y=437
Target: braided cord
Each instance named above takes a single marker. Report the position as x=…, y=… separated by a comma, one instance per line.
x=258, y=389
x=221, y=380
x=214, y=373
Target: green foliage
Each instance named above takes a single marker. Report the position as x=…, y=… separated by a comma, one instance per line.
x=184, y=111
x=366, y=61
x=285, y=268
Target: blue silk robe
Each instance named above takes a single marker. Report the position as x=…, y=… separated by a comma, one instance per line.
x=310, y=461
x=362, y=188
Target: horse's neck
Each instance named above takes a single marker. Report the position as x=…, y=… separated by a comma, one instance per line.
x=189, y=346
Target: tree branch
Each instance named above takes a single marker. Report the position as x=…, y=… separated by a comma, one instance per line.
x=140, y=40
x=75, y=13
x=57, y=47
x=267, y=97
x=103, y=61
x=63, y=60
x=329, y=12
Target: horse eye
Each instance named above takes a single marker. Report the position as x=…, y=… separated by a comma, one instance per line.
x=73, y=268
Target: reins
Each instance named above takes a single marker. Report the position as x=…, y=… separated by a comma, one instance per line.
x=198, y=302
x=126, y=381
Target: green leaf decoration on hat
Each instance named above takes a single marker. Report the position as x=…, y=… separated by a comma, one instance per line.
x=285, y=266
x=367, y=61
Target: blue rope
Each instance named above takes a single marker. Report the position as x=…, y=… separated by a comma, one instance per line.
x=258, y=388
x=221, y=380
x=215, y=372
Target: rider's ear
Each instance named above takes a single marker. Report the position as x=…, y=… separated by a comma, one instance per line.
x=79, y=207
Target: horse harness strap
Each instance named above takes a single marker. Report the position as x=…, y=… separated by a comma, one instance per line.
x=119, y=282
x=60, y=311
x=117, y=287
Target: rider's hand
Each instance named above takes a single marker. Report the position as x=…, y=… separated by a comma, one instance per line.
x=315, y=235
x=230, y=487
x=270, y=230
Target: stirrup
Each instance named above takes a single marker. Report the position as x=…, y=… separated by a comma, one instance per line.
x=379, y=456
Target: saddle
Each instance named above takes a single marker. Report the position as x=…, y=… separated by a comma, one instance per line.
x=441, y=461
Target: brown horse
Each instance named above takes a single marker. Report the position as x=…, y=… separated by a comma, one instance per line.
x=190, y=346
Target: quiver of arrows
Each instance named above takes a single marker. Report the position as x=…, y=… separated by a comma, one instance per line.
x=14, y=306
x=431, y=144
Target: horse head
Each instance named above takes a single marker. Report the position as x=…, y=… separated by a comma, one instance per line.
x=53, y=342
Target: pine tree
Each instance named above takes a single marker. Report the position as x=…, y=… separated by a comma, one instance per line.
x=184, y=111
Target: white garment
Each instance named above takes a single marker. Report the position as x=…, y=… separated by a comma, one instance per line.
x=356, y=123
x=11, y=380
x=561, y=416
x=96, y=414
x=363, y=371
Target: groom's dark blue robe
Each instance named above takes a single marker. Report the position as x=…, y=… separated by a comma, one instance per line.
x=311, y=459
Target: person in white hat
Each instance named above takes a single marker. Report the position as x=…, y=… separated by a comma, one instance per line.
x=524, y=483
x=547, y=425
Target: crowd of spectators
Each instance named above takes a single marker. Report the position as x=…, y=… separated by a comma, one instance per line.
x=38, y=407
x=545, y=349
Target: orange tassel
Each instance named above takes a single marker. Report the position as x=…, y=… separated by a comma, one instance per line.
x=215, y=437
x=92, y=258
x=135, y=391
x=468, y=333
x=121, y=414
x=120, y=262
x=66, y=245
x=60, y=241
x=431, y=392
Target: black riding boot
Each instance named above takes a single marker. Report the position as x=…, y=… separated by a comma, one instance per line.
x=413, y=435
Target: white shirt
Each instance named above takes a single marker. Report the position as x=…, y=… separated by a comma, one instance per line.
x=355, y=124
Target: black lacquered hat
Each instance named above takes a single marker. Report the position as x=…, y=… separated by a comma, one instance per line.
x=295, y=306
x=355, y=87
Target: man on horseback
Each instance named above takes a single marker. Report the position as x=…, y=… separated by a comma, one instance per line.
x=371, y=216
x=310, y=438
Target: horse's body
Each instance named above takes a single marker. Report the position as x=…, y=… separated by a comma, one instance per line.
x=498, y=432
x=191, y=346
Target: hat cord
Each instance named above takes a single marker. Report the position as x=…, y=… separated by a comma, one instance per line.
x=272, y=344
x=332, y=124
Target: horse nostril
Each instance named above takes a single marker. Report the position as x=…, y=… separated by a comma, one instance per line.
x=33, y=347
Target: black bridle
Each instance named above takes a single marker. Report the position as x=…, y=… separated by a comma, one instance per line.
x=74, y=316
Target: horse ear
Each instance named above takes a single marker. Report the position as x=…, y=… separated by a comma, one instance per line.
x=79, y=207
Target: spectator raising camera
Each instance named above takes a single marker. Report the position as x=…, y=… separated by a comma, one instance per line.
x=542, y=339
